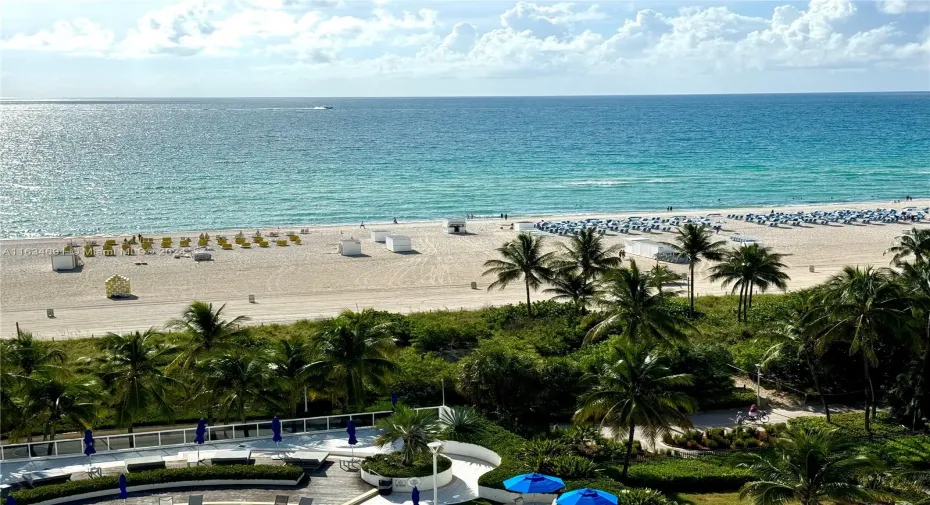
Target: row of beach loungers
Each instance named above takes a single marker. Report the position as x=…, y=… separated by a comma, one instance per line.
x=147, y=246
x=876, y=216
x=626, y=225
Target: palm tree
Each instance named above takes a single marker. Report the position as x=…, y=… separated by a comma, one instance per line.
x=799, y=334
x=695, y=243
x=205, y=330
x=635, y=305
x=27, y=354
x=574, y=287
x=915, y=243
x=235, y=382
x=290, y=365
x=809, y=466
x=522, y=258
x=749, y=267
x=132, y=370
x=915, y=280
x=862, y=307
x=53, y=398
x=587, y=255
x=354, y=349
x=638, y=391
x=662, y=275
x=415, y=428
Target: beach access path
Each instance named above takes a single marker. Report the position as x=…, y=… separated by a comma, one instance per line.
x=312, y=280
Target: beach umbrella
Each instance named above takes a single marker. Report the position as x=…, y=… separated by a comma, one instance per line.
x=89, y=443
x=586, y=496
x=393, y=402
x=122, y=487
x=200, y=436
x=276, y=431
x=533, y=483
x=11, y=501
x=351, y=431
x=415, y=496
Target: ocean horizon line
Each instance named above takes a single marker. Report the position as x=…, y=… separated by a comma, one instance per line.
x=434, y=97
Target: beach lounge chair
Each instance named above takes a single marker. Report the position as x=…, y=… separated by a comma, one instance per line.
x=281, y=499
x=195, y=499
x=246, y=245
x=164, y=500
x=145, y=463
x=281, y=243
x=305, y=500
x=310, y=461
x=227, y=246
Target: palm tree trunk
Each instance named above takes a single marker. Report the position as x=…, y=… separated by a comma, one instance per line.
x=739, y=306
x=691, y=286
x=810, y=366
x=746, y=312
x=529, y=308
x=865, y=367
x=132, y=439
x=629, y=451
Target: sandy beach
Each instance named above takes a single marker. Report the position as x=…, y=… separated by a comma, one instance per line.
x=312, y=280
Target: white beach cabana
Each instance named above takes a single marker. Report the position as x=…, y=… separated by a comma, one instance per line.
x=117, y=286
x=524, y=226
x=379, y=235
x=648, y=248
x=65, y=260
x=454, y=225
x=350, y=247
x=398, y=243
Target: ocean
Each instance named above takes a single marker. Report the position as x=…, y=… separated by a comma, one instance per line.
x=152, y=165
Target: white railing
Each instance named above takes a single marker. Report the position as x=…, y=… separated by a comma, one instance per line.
x=185, y=436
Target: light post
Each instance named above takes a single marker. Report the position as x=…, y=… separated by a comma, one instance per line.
x=758, y=384
x=434, y=448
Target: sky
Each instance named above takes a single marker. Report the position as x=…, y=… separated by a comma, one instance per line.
x=372, y=48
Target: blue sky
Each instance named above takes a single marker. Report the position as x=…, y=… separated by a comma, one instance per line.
x=154, y=48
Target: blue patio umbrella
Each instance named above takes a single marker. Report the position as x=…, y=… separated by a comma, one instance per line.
x=275, y=429
x=122, y=487
x=415, y=496
x=351, y=431
x=11, y=501
x=586, y=496
x=393, y=402
x=534, y=483
x=89, y=443
x=200, y=436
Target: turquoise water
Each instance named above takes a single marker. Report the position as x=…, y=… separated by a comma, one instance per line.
x=84, y=167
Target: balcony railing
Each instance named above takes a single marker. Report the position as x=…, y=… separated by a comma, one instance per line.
x=185, y=436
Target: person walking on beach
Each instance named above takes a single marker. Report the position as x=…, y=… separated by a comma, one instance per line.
x=395, y=220
x=362, y=225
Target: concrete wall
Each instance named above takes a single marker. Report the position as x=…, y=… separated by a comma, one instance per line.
x=485, y=454
x=168, y=485
x=403, y=484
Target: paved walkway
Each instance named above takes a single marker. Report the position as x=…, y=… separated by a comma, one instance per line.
x=464, y=485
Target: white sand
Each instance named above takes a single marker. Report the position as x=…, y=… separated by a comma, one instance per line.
x=311, y=280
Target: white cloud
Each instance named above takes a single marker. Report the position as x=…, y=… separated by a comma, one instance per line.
x=545, y=21
x=903, y=6
x=80, y=36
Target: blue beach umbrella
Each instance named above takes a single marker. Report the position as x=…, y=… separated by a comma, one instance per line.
x=586, y=496
x=393, y=402
x=351, y=431
x=11, y=501
x=89, y=443
x=275, y=429
x=200, y=436
x=415, y=496
x=534, y=483
x=122, y=487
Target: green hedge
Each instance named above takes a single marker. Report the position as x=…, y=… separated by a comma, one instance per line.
x=164, y=475
x=390, y=465
x=705, y=474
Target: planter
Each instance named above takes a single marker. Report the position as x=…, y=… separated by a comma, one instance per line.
x=168, y=485
x=485, y=454
x=402, y=484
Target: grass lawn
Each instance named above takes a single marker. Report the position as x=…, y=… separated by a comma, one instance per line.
x=707, y=499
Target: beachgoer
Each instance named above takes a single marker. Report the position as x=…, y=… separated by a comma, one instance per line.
x=752, y=411
x=395, y=220
x=502, y=215
x=362, y=225
x=505, y=216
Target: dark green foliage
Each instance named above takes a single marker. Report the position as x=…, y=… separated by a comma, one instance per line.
x=230, y=472
x=671, y=474
x=642, y=497
x=391, y=465
x=741, y=437
x=711, y=376
x=419, y=377
x=445, y=332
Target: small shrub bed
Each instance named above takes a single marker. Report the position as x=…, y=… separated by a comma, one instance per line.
x=708, y=474
x=391, y=465
x=853, y=423
x=716, y=439
x=165, y=475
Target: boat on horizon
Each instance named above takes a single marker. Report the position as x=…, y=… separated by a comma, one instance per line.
x=323, y=107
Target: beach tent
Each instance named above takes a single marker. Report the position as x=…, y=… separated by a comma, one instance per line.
x=453, y=225
x=398, y=243
x=379, y=235
x=117, y=286
x=65, y=261
x=648, y=248
x=350, y=247
x=524, y=226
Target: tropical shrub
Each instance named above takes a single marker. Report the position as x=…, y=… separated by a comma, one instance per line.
x=161, y=476
x=672, y=474
x=741, y=437
x=392, y=465
x=642, y=497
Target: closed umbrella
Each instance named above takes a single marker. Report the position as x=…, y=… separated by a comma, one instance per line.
x=533, y=483
x=415, y=496
x=122, y=487
x=276, y=431
x=200, y=436
x=586, y=496
x=352, y=440
x=393, y=402
x=11, y=501
x=89, y=447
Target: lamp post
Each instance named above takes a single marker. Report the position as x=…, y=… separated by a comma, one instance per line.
x=758, y=384
x=434, y=448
